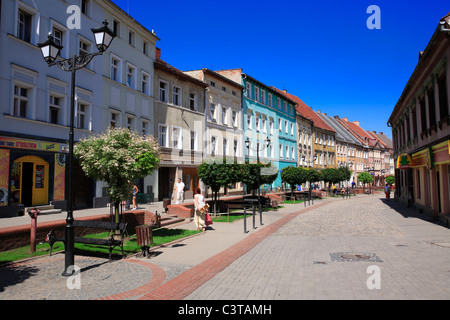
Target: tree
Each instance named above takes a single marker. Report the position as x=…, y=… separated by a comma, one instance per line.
x=390, y=179
x=117, y=157
x=331, y=175
x=365, y=177
x=294, y=176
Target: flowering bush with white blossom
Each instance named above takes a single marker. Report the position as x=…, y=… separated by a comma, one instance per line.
x=117, y=157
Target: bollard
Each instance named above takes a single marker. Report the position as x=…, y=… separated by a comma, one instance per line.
x=33, y=214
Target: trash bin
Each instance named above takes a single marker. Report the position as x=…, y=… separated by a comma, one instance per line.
x=144, y=237
x=275, y=205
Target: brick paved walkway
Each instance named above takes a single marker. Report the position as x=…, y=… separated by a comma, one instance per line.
x=297, y=254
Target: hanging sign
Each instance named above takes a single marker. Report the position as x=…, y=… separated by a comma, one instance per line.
x=404, y=161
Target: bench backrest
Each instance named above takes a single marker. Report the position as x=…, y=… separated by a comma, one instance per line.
x=100, y=224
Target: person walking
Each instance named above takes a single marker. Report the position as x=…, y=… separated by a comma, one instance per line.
x=387, y=191
x=135, y=192
x=200, y=210
x=180, y=191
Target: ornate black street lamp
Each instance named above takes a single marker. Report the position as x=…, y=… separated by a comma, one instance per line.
x=309, y=162
x=50, y=51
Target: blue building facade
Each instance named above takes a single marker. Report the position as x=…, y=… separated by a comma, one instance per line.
x=267, y=114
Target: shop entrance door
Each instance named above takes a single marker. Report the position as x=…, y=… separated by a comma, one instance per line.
x=30, y=181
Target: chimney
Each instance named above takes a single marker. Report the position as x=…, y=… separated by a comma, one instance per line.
x=284, y=90
x=324, y=114
x=336, y=117
x=356, y=122
x=318, y=111
x=381, y=132
x=158, y=53
x=345, y=119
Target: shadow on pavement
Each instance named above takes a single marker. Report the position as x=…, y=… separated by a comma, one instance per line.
x=12, y=274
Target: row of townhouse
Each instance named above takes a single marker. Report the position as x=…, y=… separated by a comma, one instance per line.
x=195, y=115
x=421, y=130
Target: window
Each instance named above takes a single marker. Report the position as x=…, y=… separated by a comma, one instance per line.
x=55, y=110
x=287, y=152
x=271, y=125
x=225, y=146
x=263, y=97
x=81, y=116
x=131, y=76
x=213, y=145
x=145, y=48
x=293, y=153
x=256, y=94
x=114, y=119
x=278, y=103
x=21, y=101
x=270, y=100
x=248, y=86
x=263, y=124
x=116, y=69
x=280, y=125
x=193, y=135
x=176, y=99
x=224, y=89
x=85, y=6
x=116, y=27
x=235, y=148
x=162, y=91
x=24, y=26
x=145, y=83
x=292, y=129
x=162, y=135
x=281, y=151
x=131, y=38
x=234, y=118
x=271, y=151
x=176, y=138
x=58, y=36
x=224, y=116
x=130, y=123
x=249, y=120
x=145, y=128
x=83, y=48
x=257, y=122
x=212, y=112
x=193, y=101
x=212, y=83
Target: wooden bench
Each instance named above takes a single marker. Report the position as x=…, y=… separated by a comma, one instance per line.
x=111, y=242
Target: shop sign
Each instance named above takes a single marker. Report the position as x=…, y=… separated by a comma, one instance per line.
x=404, y=161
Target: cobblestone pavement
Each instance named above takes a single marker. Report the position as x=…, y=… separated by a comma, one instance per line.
x=334, y=251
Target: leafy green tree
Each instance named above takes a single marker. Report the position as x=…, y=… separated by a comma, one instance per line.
x=117, y=157
x=390, y=179
x=331, y=175
x=365, y=177
x=294, y=176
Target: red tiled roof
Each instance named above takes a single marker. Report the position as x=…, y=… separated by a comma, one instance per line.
x=306, y=111
x=170, y=69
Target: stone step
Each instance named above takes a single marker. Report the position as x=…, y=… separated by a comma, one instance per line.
x=167, y=220
x=46, y=209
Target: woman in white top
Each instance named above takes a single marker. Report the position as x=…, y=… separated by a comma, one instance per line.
x=199, y=217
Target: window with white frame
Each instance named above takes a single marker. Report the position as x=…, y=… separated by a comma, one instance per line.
x=256, y=94
x=257, y=123
x=270, y=100
x=130, y=123
x=249, y=120
x=145, y=83
x=278, y=103
x=176, y=96
x=84, y=47
x=235, y=147
x=116, y=69
x=248, y=90
x=131, y=76
x=212, y=112
x=131, y=38
x=271, y=125
x=263, y=96
x=234, y=118
x=263, y=124
x=55, y=109
x=145, y=127
x=58, y=35
x=82, y=115
x=163, y=91
x=213, y=145
x=193, y=136
x=21, y=102
x=293, y=153
x=225, y=146
x=115, y=120
x=193, y=101
x=287, y=152
x=24, y=25
x=281, y=151
x=292, y=129
x=163, y=139
x=145, y=47
x=271, y=155
x=224, y=116
x=116, y=27
x=280, y=124
x=85, y=6
x=176, y=138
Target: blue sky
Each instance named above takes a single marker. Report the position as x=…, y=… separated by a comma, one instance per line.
x=320, y=51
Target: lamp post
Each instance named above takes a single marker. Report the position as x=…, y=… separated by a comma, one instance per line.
x=247, y=144
x=50, y=51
